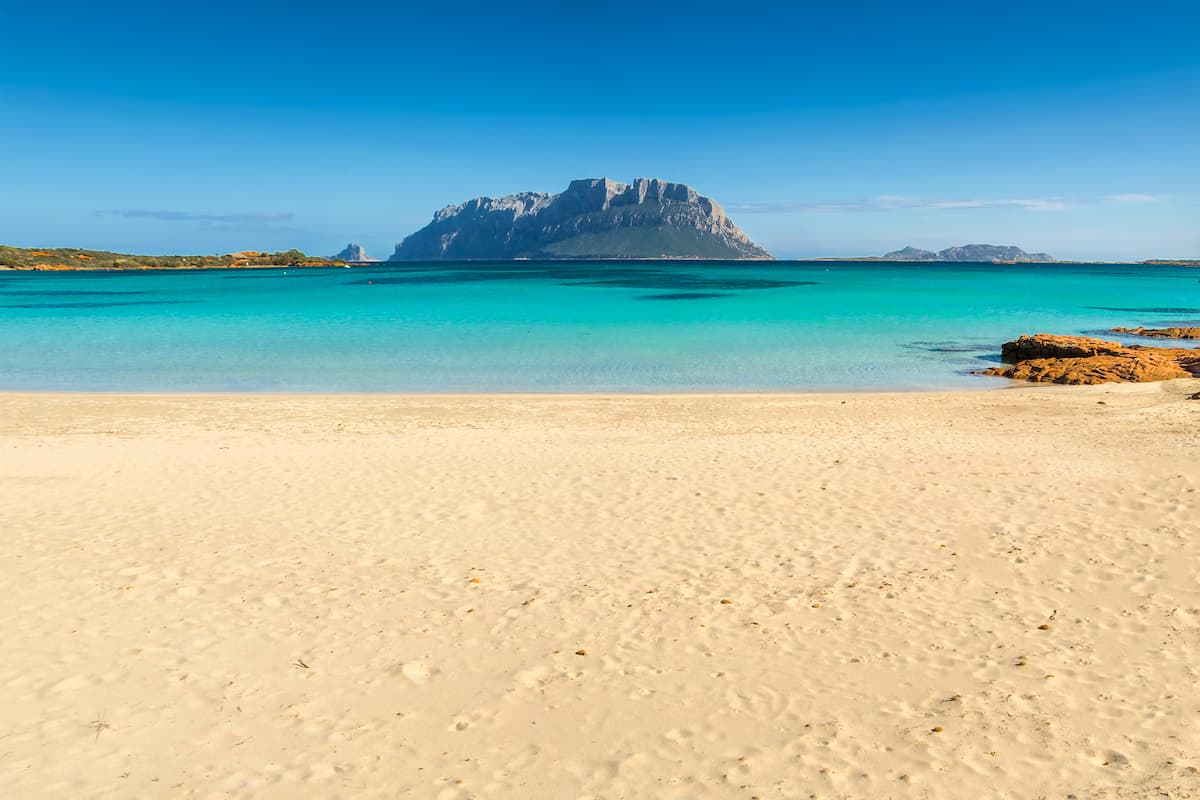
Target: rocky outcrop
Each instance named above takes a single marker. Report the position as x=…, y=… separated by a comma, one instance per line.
x=592, y=218
x=1082, y=360
x=995, y=254
x=1161, y=333
x=353, y=254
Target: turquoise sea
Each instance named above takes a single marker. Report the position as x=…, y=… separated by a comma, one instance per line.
x=560, y=327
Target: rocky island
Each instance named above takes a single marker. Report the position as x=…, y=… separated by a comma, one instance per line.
x=353, y=254
x=996, y=254
x=594, y=218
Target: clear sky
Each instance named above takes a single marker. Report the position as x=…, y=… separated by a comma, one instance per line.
x=824, y=128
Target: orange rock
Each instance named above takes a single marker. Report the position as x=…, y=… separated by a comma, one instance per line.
x=1082, y=360
x=1161, y=333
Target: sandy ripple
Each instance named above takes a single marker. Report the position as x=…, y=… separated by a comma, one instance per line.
x=929, y=596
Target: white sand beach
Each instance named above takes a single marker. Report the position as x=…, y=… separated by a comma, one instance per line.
x=976, y=594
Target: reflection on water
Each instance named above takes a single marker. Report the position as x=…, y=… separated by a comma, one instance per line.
x=684, y=296
x=605, y=276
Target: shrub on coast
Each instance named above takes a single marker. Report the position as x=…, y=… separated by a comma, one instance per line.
x=70, y=258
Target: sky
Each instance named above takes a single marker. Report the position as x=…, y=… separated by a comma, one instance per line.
x=824, y=129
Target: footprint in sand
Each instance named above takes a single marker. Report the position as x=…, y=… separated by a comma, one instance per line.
x=533, y=678
x=416, y=672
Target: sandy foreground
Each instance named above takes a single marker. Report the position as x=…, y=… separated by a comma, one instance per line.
x=977, y=594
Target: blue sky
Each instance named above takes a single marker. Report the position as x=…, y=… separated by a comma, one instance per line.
x=825, y=129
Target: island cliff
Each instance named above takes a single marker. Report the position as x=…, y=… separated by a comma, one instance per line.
x=592, y=219
x=353, y=254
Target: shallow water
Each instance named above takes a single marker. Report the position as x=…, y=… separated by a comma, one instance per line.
x=570, y=327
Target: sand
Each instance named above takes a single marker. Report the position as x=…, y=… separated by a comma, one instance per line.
x=976, y=594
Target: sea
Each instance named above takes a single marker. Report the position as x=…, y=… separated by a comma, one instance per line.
x=562, y=326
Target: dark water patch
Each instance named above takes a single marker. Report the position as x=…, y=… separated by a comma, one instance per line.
x=113, y=304
x=598, y=275
x=62, y=293
x=1148, y=310
x=570, y=275
x=684, y=296
x=950, y=346
x=694, y=282
x=498, y=267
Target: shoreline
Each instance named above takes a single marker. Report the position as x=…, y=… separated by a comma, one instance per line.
x=995, y=383
x=1183, y=263
x=1002, y=384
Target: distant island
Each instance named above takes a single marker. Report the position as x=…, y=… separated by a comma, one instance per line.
x=353, y=254
x=72, y=258
x=996, y=254
x=594, y=218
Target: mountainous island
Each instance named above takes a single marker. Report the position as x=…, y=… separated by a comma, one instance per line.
x=592, y=218
x=997, y=254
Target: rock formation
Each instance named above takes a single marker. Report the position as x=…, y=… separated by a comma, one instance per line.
x=1083, y=360
x=1161, y=333
x=592, y=218
x=353, y=254
x=969, y=252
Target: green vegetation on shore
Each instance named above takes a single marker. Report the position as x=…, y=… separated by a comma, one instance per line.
x=582, y=247
x=66, y=258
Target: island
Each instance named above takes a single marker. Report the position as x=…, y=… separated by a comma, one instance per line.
x=977, y=253
x=594, y=218
x=354, y=254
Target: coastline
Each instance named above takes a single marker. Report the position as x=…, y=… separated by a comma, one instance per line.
x=1187, y=263
x=503, y=596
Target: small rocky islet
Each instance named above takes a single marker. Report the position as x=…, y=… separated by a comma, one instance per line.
x=1160, y=333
